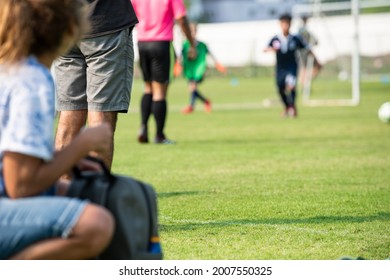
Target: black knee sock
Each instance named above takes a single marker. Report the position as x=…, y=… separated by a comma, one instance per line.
x=146, y=108
x=159, y=109
x=284, y=98
x=292, y=97
x=193, y=98
x=201, y=97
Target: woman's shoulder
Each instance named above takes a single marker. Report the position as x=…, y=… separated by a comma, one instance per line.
x=27, y=81
x=26, y=70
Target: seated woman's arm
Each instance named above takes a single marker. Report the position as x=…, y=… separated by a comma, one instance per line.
x=27, y=176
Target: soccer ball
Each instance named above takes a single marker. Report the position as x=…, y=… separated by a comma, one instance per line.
x=384, y=112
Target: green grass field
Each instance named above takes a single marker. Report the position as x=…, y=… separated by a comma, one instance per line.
x=243, y=183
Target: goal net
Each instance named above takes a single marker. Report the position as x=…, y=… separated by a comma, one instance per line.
x=335, y=42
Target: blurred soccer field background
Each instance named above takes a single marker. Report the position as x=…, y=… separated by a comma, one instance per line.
x=243, y=183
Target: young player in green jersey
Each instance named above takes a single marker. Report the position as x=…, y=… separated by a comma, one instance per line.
x=195, y=69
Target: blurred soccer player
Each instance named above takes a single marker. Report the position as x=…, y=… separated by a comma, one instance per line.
x=304, y=54
x=285, y=46
x=195, y=69
x=155, y=34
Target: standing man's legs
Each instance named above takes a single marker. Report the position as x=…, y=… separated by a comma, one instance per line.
x=96, y=118
x=153, y=102
x=159, y=109
x=146, y=111
x=69, y=125
x=69, y=75
x=71, y=122
x=94, y=81
x=155, y=62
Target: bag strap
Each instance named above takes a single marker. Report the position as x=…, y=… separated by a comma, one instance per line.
x=77, y=172
x=77, y=186
x=101, y=163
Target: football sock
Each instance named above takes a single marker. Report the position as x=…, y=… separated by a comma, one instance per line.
x=146, y=108
x=200, y=96
x=193, y=98
x=292, y=96
x=284, y=98
x=159, y=109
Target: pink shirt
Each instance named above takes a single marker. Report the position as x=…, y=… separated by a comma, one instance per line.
x=157, y=18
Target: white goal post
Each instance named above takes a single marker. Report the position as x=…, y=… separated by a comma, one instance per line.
x=317, y=9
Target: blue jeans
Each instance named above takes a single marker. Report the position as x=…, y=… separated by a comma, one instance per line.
x=26, y=221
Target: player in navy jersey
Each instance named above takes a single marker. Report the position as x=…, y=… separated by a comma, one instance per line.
x=285, y=46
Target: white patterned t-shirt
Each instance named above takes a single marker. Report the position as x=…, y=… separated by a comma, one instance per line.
x=26, y=111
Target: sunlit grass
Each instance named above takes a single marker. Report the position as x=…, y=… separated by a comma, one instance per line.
x=244, y=183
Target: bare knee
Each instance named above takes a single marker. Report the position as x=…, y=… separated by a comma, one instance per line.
x=96, y=118
x=94, y=229
x=193, y=86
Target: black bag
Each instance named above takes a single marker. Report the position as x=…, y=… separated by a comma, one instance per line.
x=134, y=207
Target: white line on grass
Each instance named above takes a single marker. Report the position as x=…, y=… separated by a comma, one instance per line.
x=223, y=107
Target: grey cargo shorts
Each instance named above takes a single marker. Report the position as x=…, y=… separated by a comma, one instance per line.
x=97, y=74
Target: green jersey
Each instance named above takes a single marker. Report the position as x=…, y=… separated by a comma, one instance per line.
x=196, y=68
